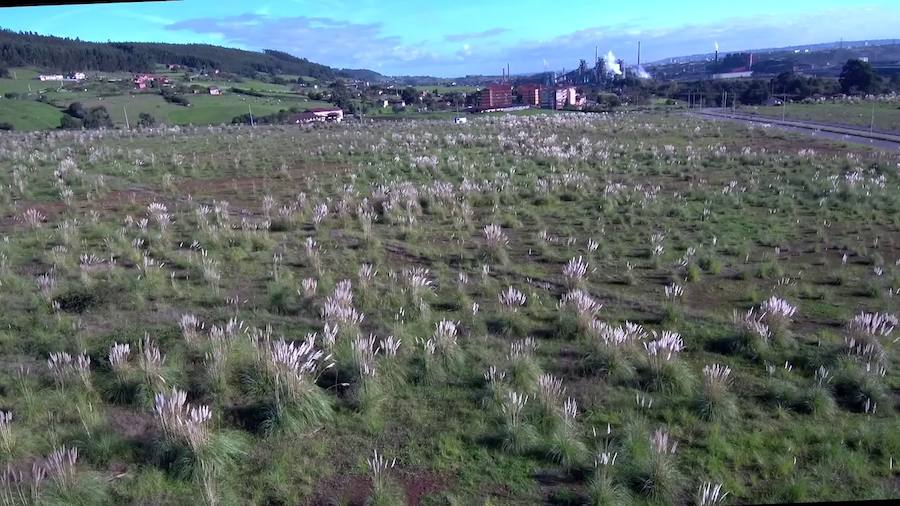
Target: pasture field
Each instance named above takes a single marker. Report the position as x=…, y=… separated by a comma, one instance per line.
x=29, y=114
x=566, y=309
x=887, y=114
x=204, y=109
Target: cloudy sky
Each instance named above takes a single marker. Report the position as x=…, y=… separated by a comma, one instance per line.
x=459, y=37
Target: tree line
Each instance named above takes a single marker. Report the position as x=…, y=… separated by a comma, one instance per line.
x=20, y=49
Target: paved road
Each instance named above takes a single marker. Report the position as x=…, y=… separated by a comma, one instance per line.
x=882, y=140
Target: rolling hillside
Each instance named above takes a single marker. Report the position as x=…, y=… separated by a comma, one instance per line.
x=57, y=53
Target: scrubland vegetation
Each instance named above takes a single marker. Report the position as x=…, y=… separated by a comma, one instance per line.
x=569, y=308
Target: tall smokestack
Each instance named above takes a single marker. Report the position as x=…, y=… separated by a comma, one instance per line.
x=639, y=54
x=507, y=71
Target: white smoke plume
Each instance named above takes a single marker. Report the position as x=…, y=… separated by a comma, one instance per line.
x=612, y=66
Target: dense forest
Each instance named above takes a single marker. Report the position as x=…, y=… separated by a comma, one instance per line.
x=19, y=49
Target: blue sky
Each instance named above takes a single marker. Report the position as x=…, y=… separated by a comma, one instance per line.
x=454, y=38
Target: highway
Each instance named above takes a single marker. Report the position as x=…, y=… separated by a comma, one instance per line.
x=882, y=140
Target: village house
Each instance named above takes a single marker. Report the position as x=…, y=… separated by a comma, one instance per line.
x=317, y=115
x=328, y=113
x=214, y=90
x=143, y=81
x=50, y=77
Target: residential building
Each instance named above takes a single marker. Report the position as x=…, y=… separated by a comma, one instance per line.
x=564, y=97
x=214, y=90
x=531, y=94
x=495, y=96
x=733, y=75
x=302, y=118
x=50, y=77
x=328, y=114
x=547, y=97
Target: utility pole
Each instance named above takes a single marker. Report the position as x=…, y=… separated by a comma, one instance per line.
x=15, y=77
x=250, y=108
x=872, y=123
x=127, y=126
x=783, y=106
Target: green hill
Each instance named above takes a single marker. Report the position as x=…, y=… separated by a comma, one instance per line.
x=20, y=49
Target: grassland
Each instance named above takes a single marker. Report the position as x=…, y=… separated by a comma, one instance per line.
x=887, y=115
x=25, y=113
x=277, y=269
x=204, y=109
x=29, y=114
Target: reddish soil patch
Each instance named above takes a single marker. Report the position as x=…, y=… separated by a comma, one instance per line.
x=422, y=484
x=354, y=490
x=342, y=489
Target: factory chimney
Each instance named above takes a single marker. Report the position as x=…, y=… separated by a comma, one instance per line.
x=639, y=55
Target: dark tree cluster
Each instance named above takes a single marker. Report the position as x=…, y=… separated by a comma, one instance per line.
x=77, y=116
x=279, y=117
x=173, y=98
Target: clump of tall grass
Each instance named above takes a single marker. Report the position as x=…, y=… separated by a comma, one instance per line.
x=575, y=272
x=662, y=481
x=65, y=369
x=58, y=470
x=418, y=286
x=524, y=370
x=666, y=371
x=716, y=402
x=819, y=399
x=585, y=308
x=191, y=328
x=512, y=299
x=515, y=432
x=865, y=333
x=778, y=315
x=508, y=320
x=292, y=370
x=550, y=392
x=188, y=427
x=753, y=332
x=612, y=347
x=496, y=241
x=673, y=293
x=7, y=437
x=495, y=385
x=602, y=489
x=339, y=313
x=151, y=361
x=367, y=389
x=710, y=494
x=565, y=447
x=384, y=491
